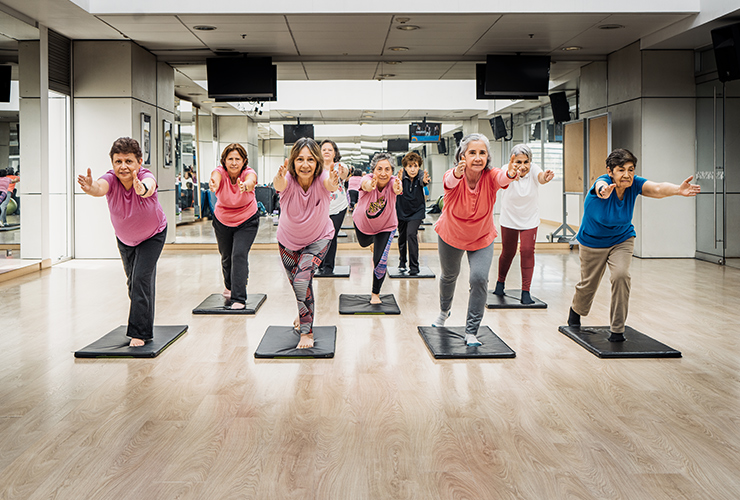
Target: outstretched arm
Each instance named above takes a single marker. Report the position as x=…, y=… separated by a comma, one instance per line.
x=145, y=187
x=369, y=184
x=331, y=183
x=92, y=187
x=665, y=189
x=545, y=177
x=279, y=182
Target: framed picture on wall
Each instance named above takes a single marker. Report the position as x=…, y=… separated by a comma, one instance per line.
x=167, y=142
x=146, y=138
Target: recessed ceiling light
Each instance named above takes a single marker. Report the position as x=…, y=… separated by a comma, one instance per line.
x=289, y=116
x=398, y=49
x=204, y=27
x=403, y=19
x=610, y=27
x=194, y=93
x=458, y=111
x=208, y=101
x=369, y=112
x=387, y=75
x=407, y=27
x=571, y=48
x=393, y=62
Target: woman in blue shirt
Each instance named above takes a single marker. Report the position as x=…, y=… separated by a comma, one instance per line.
x=607, y=236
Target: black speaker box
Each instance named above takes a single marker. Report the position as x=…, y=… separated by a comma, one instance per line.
x=499, y=127
x=726, y=42
x=442, y=146
x=560, y=107
x=458, y=137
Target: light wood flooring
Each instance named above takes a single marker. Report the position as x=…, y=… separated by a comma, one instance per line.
x=381, y=420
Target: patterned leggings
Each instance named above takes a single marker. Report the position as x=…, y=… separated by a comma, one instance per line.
x=300, y=267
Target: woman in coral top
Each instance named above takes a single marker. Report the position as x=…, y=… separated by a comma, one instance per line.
x=466, y=225
x=235, y=220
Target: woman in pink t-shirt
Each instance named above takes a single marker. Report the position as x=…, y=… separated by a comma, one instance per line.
x=466, y=225
x=304, y=229
x=375, y=215
x=140, y=226
x=235, y=220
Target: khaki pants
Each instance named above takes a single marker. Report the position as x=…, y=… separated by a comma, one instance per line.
x=593, y=265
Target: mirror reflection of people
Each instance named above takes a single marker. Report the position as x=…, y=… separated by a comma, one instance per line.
x=375, y=216
x=353, y=188
x=411, y=210
x=520, y=218
x=466, y=226
x=140, y=226
x=235, y=220
x=607, y=237
x=5, y=181
x=338, y=206
x=304, y=229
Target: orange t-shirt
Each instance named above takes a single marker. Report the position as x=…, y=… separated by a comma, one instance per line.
x=466, y=222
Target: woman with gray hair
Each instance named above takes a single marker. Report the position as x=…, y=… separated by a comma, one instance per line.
x=375, y=215
x=520, y=218
x=466, y=225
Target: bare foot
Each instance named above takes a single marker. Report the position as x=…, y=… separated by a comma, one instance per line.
x=306, y=341
x=375, y=299
x=237, y=305
x=297, y=324
x=226, y=293
x=136, y=343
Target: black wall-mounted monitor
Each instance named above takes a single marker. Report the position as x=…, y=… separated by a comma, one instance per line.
x=480, y=82
x=517, y=77
x=424, y=132
x=398, y=145
x=5, y=77
x=291, y=133
x=241, y=78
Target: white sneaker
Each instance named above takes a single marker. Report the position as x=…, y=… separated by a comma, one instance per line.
x=440, y=321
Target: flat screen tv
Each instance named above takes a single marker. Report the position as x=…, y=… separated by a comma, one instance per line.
x=424, y=132
x=517, y=77
x=5, y=76
x=480, y=82
x=398, y=145
x=241, y=78
x=292, y=133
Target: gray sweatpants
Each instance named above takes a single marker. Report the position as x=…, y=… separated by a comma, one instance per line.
x=479, y=262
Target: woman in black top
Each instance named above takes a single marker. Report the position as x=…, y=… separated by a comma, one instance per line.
x=411, y=210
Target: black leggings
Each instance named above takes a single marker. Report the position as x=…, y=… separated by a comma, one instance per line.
x=140, y=266
x=328, y=264
x=233, y=245
x=379, y=241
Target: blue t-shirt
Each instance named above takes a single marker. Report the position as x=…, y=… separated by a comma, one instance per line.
x=609, y=222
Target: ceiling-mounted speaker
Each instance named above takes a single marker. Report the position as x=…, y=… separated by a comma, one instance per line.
x=726, y=42
x=560, y=107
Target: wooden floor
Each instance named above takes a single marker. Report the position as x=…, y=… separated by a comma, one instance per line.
x=381, y=420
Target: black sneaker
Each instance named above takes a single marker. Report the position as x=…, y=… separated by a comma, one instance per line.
x=414, y=272
x=402, y=268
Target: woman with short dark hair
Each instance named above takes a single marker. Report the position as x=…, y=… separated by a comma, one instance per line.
x=607, y=237
x=235, y=220
x=140, y=226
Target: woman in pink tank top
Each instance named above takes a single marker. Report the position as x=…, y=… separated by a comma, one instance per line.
x=304, y=229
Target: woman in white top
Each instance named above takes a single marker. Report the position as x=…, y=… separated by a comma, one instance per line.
x=520, y=218
x=338, y=204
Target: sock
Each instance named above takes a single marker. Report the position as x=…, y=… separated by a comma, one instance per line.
x=440, y=321
x=574, y=319
x=526, y=298
x=472, y=340
x=499, y=289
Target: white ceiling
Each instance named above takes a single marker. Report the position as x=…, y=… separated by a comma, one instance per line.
x=357, y=46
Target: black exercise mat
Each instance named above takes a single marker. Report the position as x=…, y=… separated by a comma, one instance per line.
x=424, y=272
x=218, y=304
x=360, y=304
x=114, y=344
x=636, y=345
x=341, y=234
x=10, y=227
x=339, y=272
x=449, y=342
x=281, y=342
x=511, y=300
